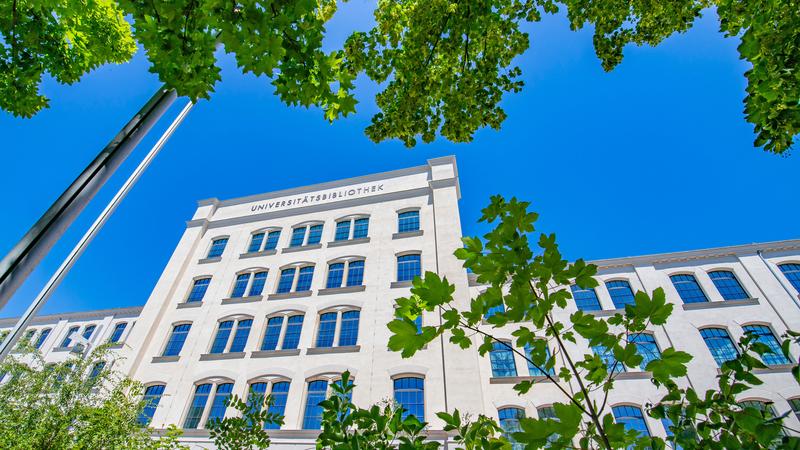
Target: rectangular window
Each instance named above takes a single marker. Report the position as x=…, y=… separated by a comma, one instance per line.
x=176, y=340
x=286, y=281
x=273, y=333
x=360, y=228
x=646, y=347
x=355, y=273
x=68, y=339
x=585, y=299
x=221, y=339
x=259, y=279
x=502, y=359
x=88, y=331
x=197, y=407
x=342, y=231
x=410, y=394
x=219, y=404
x=292, y=336
x=117, y=334
x=304, y=279
x=408, y=267
x=317, y=392
x=280, y=394
x=272, y=240
x=152, y=395
x=42, y=337
x=335, y=275
x=298, y=236
x=240, y=286
x=314, y=234
x=240, y=338
x=217, y=247
x=327, y=329
x=612, y=365
x=408, y=221
x=198, y=290
x=255, y=243
x=532, y=370
x=348, y=335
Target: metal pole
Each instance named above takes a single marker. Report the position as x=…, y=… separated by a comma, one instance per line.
x=66, y=265
x=29, y=251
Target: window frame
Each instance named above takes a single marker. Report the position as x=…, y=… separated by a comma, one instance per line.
x=262, y=246
x=330, y=379
x=648, y=432
x=499, y=346
x=408, y=375
x=212, y=245
x=417, y=253
x=270, y=381
x=119, y=339
x=171, y=332
x=337, y=330
x=237, y=319
x=351, y=227
x=306, y=226
x=251, y=279
x=215, y=383
x=188, y=297
x=346, y=261
x=400, y=212
x=730, y=339
x=735, y=279
x=696, y=282
x=613, y=299
x=296, y=267
x=774, y=336
x=284, y=315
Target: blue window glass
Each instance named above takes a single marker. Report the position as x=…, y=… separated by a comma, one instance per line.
x=409, y=393
x=259, y=278
x=667, y=423
x=116, y=335
x=621, y=293
x=298, y=236
x=360, y=228
x=198, y=290
x=272, y=240
x=335, y=275
x=727, y=285
x=256, y=397
x=317, y=392
x=42, y=337
x=546, y=412
x=408, y=267
x=509, y=422
x=286, y=280
x=418, y=323
x=217, y=247
x=720, y=345
x=292, y=336
x=494, y=310
x=585, y=299
x=68, y=339
x=280, y=394
x=792, y=273
x=152, y=395
x=240, y=338
x=342, y=231
x=219, y=404
x=198, y=405
x=97, y=369
x=532, y=370
x=273, y=333
x=88, y=331
x=176, y=340
x=348, y=335
x=631, y=418
x=327, y=329
x=314, y=234
x=240, y=286
x=688, y=289
x=355, y=273
x=608, y=358
x=408, y=221
x=764, y=335
x=304, y=279
x=255, y=243
x=647, y=347
x=502, y=359
x=221, y=339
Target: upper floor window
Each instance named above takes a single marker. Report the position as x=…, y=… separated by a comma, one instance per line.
x=88, y=331
x=351, y=229
x=546, y=412
x=417, y=321
x=317, y=393
x=176, y=339
x=221, y=394
x=727, y=285
x=68, y=339
x=646, y=347
x=283, y=332
x=409, y=267
x=631, y=418
x=408, y=221
x=688, y=288
x=621, y=293
x=222, y=341
x=532, y=369
x=278, y=391
x=792, y=273
x=97, y=369
x=502, y=359
x=409, y=393
x=259, y=244
x=794, y=403
x=612, y=365
x=306, y=235
x=354, y=269
x=152, y=395
x=764, y=335
x=345, y=321
x=251, y=283
x=217, y=247
x=494, y=310
x=199, y=289
x=116, y=335
x=720, y=345
x=287, y=283
x=509, y=422
x=585, y=299
x=42, y=337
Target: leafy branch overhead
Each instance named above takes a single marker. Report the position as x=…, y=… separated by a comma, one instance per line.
x=443, y=66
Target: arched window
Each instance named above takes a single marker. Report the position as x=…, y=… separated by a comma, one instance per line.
x=42, y=337
x=409, y=267
x=68, y=339
x=612, y=365
x=222, y=342
x=408, y=221
x=727, y=285
x=199, y=288
x=585, y=299
x=688, y=289
x=116, y=335
x=152, y=395
x=502, y=359
x=792, y=273
x=217, y=247
x=259, y=244
x=359, y=227
x=287, y=282
x=176, y=339
x=631, y=418
x=532, y=370
x=647, y=348
x=219, y=392
x=720, y=345
x=306, y=235
x=278, y=390
x=409, y=393
x=764, y=335
x=509, y=422
x=345, y=321
x=253, y=280
x=621, y=293
x=88, y=331
x=283, y=332
x=354, y=268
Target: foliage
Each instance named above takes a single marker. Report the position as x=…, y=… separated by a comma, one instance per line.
x=245, y=430
x=444, y=66
x=534, y=290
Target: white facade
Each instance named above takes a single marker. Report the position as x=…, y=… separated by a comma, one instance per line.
x=453, y=378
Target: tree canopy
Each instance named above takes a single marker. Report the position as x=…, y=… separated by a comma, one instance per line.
x=443, y=66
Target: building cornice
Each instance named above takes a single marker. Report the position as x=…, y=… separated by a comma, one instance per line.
x=132, y=311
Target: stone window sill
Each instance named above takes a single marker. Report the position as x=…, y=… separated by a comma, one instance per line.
x=164, y=359
x=777, y=368
x=407, y=234
x=515, y=380
x=115, y=345
x=274, y=353
x=218, y=356
x=721, y=304
x=61, y=349
x=400, y=284
x=185, y=305
x=341, y=290
x=301, y=248
x=237, y=300
x=289, y=295
x=209, y=260
x=257, y=254
x=607, y=312
x=633, y=376
x=348, y=242
x=325, y=350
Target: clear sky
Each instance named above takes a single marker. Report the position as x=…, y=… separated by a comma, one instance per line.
x=653, y=157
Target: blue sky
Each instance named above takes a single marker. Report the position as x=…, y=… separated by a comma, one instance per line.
x=653, y=157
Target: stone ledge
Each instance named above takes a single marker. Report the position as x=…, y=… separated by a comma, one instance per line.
x=61, y=349
x=722, y=304
x=274, y=353
x=218, y=356
x=115, y=346
x=209, y=260
x=400, y=284
x=348, y=242
x=325, y=350
x=633, y=376
x=301, y=248
x=164, y=359
x=237, y=300
x=341, y=290
x=185, y=305
x=515, y=380
x=289, y=295
x=777, y=368
x=606, y=312
x=257, y=254
x=407, y=234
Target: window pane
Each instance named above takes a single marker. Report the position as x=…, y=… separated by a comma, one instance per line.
x=546, y=412
x=727, y=285
x=794, y=403
x=280, y=393
x=585, y=299
x=152, y=395
x=532, y=370
x=621, y=293
x=218, y=406
x=198, y=290
x=221, y=340
x=720, y=344
x=317, y=391
x=286, y=280
x=688, y=289
x=68, y=340
x=764, y=335
x=631, y=418
x=217, y=247
x=335, y=275
x=792, y=273
x=256, y=397
x=272, y=240
x=408, y=267
x=96, y=369
x=176, y=340
x=327, y=328
x=258, y=283
x=361, y=228
x=87, y=332
x=646, y=347
x=494, y=310
x=117, y=334
x=304, y=279
x=255, y=243
x=409, y=393
x=342, y=231
x=241, y=285
x=198, y=405
x=42, y=337
x=408, y=221
x=240, y=338
x=608, y=358
x=292, y=336
x=349, y=332
x=298, y=235
x=502, y=359
x=509, y=422
x=314, y=234
x=272, y=334
x=355, y=273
